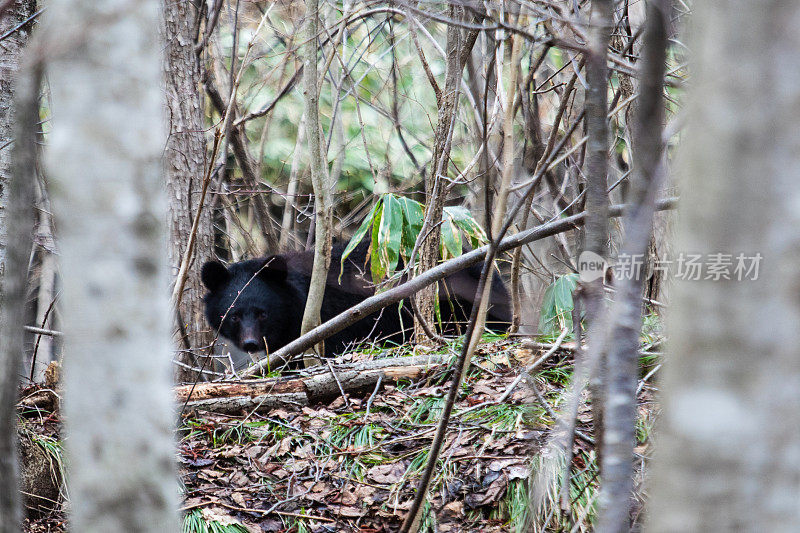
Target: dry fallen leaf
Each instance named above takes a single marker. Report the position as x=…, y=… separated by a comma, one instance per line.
x=387, y=474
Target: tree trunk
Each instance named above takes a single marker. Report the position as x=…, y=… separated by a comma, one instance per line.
x=104, y=161
x=619, y=436
x=728, y=451
x=323, y=208
x=596, y=231
x=16, y=224
x=186, y=164
x=459, y=45
x=12, y=47
x=286, y=242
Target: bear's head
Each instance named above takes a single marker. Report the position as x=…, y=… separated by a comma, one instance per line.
x=251, y=303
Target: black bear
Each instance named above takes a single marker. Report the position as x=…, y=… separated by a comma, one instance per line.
x=258, y=304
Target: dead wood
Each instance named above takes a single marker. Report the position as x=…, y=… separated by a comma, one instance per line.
x=316, y=386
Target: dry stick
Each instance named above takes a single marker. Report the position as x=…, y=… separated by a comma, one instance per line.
x=372, y=397
x=478, y=313
x=43, y=331
x=425, y=66
x=289, y=207
x=339, y=384
x=270, y=106
x=647, y=376
x=621, y=335
x=533, y=366
x=403, y=291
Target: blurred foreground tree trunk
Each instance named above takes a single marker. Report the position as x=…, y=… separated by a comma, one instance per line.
x=728, y=452
x=11, y=18
x=105, y=164
x=16, y=224
x=186, y=165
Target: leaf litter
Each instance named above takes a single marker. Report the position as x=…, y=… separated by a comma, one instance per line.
x=348, y=467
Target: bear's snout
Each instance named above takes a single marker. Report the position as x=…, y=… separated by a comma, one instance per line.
x=250, y=345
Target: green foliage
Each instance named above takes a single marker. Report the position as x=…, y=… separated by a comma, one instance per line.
x=513, y=509
x=506, y=416
x=557, y=306
x=194, y=522
x=583, y=492
x=394, y=224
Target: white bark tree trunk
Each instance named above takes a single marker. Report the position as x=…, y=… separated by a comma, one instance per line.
x=10, y=55
x=728, y=454
x=104, y=161
x=16, y=222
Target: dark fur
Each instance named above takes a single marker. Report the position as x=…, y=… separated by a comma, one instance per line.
x=264, y=300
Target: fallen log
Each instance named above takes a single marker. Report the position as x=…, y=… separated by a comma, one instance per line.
x=321, y=384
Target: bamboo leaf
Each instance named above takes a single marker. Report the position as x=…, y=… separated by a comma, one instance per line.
x=358, y=236
x=451, y=237
x=376, y=267
x=413, y=216
x=557, y=305
x=390, y=233
x=464, y=220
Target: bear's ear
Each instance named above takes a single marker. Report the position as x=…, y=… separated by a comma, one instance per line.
x=274, y=268
x=214, y=275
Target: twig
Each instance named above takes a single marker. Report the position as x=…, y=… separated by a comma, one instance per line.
x=10, y=32
x=646, y=377
x=339, y=384
x=43, y=331
x=529, y=370
x=270, y=106
x=372, y=396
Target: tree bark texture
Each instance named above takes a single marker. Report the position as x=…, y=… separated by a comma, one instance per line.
x=597, y=227
x=728, y=450
x=10, y=54
x=622, y=376
x=104, y=159
x=19, y=125
x=458, y=47
x=186, y=164
x=596, y=231
x=323, y=208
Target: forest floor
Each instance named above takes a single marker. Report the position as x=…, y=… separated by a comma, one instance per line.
x=353, y=464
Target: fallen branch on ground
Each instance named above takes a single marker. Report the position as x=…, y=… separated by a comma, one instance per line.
x=318, y=386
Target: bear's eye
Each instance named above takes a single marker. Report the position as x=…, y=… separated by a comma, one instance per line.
x=235, y=319
x=262, y=315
